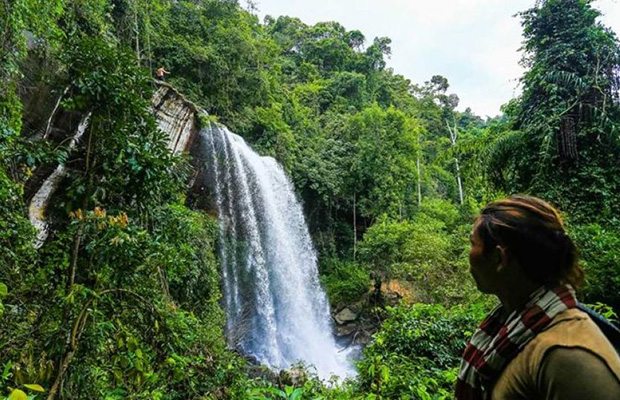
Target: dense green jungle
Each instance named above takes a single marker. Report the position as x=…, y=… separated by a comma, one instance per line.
x=123, y=300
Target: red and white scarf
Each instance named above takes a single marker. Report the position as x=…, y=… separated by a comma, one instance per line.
x=499, y=339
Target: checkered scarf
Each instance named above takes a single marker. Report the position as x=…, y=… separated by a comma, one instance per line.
x=499, y=339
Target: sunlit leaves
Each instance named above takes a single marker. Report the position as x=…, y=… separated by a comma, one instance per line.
x=18, y=394
x=35, y=387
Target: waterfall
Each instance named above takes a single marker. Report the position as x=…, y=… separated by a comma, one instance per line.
x=277, y=310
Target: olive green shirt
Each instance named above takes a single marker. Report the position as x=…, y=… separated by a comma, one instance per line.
x=570, y=359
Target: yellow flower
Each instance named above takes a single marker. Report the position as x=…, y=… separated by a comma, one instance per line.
x=99, y=212
x=124, y=219
x=76, y=214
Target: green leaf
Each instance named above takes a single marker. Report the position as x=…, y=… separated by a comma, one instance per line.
x=17, y=394
x=35, y=387
x=296, y=395
x=3, y=290
x=277, y=392
x=385, y=373
x=6, y=373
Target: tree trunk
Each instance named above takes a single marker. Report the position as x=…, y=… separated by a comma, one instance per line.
x=419, y=183
x=453, y=136
x=137, y=32
x=49, y=121
x=354, y=226
x=458, y=179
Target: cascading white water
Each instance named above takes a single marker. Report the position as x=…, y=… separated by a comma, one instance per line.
x=277, y=310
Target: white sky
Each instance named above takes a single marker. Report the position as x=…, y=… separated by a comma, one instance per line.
x=473, y=43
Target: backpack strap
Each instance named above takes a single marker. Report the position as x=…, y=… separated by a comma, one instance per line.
x=611, y=331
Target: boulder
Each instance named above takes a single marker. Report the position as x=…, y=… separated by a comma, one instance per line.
x=346, y=330
x=293, y=376
x=345, y=315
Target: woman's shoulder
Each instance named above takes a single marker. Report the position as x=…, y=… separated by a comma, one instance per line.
x=575, y=373
x=573, y=328
x=570, y=329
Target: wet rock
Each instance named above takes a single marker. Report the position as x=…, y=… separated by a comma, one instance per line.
x=346, y=315
x=346, y=330
x=294, y=376
x=363, y=338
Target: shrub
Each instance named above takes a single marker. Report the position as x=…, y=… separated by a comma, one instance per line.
x=429, y=250
x=345, y=282
x=417, y=352
x=599, y=248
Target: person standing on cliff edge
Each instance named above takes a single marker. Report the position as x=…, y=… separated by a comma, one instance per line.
x=161, y=73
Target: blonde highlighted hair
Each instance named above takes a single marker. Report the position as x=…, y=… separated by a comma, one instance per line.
x=533, y=233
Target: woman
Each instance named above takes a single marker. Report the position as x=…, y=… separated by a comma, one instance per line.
x=536, y=344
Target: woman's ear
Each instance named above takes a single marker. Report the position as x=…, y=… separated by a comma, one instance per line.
x=503, y=258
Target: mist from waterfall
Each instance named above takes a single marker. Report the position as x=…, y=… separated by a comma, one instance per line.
x=277, y=310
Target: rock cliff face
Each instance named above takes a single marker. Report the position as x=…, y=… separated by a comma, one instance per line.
x=176, y=116
x=179, y=118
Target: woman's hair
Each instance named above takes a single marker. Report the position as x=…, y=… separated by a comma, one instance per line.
x=533, y=233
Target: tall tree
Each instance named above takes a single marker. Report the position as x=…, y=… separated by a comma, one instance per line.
x=569, y=113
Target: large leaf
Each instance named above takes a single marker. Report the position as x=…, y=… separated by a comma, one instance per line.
x=35, y=387
x=296, y=395
x=18, y=395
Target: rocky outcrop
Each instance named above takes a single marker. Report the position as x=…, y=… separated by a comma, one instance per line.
x=345, y=316
x=355, y=323
x=176, y=116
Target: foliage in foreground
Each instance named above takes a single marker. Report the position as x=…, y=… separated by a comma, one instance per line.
x=599, y=251
x=417, y=352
